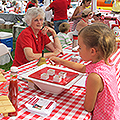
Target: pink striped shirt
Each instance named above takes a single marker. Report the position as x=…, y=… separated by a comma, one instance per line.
x=107, y=106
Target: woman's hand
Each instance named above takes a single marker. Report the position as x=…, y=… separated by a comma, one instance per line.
x=2, y=71
x=45, y=30
x=48, y=29
x=51, y=30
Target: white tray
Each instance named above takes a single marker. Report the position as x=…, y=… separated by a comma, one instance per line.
x=48, y=86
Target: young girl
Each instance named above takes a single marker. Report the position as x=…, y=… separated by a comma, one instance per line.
x=96, y=44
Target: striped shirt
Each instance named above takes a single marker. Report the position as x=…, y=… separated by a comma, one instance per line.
x=64, y=39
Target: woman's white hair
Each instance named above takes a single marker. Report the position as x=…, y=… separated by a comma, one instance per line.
x=33, y=12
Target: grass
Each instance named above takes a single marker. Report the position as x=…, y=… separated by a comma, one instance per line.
x=7, y=66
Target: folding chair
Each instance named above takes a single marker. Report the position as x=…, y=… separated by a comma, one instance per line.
x=5, y=50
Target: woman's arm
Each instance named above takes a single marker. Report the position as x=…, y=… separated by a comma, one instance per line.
x=53, y=45
x=33, y=56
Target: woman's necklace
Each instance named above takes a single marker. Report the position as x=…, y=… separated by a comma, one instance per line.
x=34, y=33
x=36, y=36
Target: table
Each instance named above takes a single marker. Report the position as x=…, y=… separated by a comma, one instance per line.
x=116, y=58
x=9, y=17
x=118, y=42
x=69, y=102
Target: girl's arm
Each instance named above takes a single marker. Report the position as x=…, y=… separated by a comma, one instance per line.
x=72, y=65
x=93, y=87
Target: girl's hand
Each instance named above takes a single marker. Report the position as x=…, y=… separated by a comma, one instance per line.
x=54, y=60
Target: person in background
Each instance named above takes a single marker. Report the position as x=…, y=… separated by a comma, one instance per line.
x=41, y=1
x=60, y=12
x=96, y=43
x=86, y=15
x=116, y=6
x=76, y=17
x=17, y=7
x=62, y=35
x=8, y=4
x=33, y=39
x=97, y=17
x=32, y=3
x=1, y=7
x=24, y=3
x=48, y=14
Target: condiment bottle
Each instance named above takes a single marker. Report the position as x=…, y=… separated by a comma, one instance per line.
x=13, y=90
x=75, y=41
x=42, y=59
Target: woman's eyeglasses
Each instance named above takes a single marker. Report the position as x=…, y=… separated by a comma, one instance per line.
x=37, y=20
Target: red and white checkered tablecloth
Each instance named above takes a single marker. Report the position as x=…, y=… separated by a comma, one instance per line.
x=118, y=45
x=69, y=102
x=116, y=60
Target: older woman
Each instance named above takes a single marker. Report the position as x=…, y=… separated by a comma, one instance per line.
x=33, y=39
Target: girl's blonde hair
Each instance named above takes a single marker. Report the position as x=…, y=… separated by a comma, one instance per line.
x=100, y=36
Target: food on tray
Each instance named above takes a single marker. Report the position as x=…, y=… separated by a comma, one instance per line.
x=51, y=72
x=56, y=75
x=44, y=76
x=57, y=78
x=62, y=74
